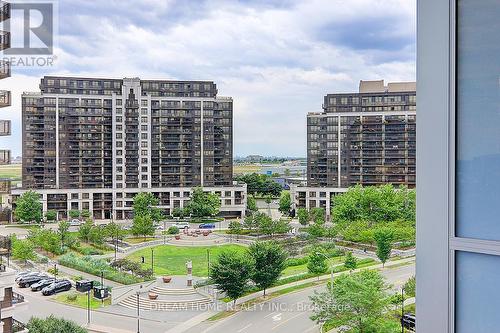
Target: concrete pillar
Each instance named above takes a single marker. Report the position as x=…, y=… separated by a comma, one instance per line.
x=189, y=266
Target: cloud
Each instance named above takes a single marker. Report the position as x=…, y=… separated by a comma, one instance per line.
x=277, y=59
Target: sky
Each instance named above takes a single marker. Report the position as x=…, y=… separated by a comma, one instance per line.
x=276, y=58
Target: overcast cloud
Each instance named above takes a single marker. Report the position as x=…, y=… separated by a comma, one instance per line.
x=277, y=59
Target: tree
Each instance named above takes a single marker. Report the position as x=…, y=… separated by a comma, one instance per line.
x=375, y=204
x=231, y=273
x=317, y=261
x=410, y=287
x=251, y=204
x=178, y=212
x=260, y=184
x=317, y=215
x=85, y=230
x=52, y=324
x=268, y=199
x=358, y=301
x=303, y=216
x=97, y=235
x=203, y=204
x=85, y=214
x=63, y=232
x=268, y=226
x=46, y=239
x=51, y=215
x=350, y=262
x=251, y=222
x=29, y=207
x=285, y=203
x=383, y=239
x=74, y=213
x=145, y=204
x=235, y=227
x=316, y=230
x=22, y=249
x=270, y=261
x=143, y=225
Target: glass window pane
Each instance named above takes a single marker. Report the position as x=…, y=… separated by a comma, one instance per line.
x=478, y=120
x=477, y=294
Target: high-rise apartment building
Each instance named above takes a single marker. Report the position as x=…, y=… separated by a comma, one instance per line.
x=5, y=100
x=104, y=140
x=366, y=138
x=458, y=161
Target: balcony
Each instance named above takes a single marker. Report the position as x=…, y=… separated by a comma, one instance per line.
x=4, y=127
x=4, y=157
x=4, y=11
x=4, y=98
x=4, y=40
x=4, y=69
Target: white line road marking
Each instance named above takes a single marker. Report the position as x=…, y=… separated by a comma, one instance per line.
x=244, y=328
x=284, y=322
x=269, y=314
x=277, y=317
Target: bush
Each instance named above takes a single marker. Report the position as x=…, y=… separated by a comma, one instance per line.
x=74, y=214
x=71, y=297
x=51, y=215
x=173, y=230
x=296, y=261
x=95, y=266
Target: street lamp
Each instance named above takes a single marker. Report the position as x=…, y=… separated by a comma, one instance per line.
x=152, y=261
x=331, y=269
x=138, y=317
x=402, y=308
x=208, y=262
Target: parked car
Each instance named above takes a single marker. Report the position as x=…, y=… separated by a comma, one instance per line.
x=21, y=274
x=56, y=287
x=75, y=223
x=181, y=225
x=207, y=226
x=28, y=280
x=41, y=284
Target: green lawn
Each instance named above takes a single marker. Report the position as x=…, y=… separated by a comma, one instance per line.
x=137, y=240
x=11, y=171
x=300, y=269
x=81, y=300
x=171, y=260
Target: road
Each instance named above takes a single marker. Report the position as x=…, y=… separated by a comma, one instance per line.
x=287, y=314
x=113, y=316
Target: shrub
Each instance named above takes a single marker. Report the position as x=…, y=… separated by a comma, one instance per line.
x=71, y=297
x=296, y=261
x=51, y=215
x=74, y=214
x=95, y=266
x=173, y=230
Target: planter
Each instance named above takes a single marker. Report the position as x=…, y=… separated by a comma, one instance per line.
x=166, y=279
x=152, y=296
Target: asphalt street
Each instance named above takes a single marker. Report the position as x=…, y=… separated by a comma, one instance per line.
x=287, y=314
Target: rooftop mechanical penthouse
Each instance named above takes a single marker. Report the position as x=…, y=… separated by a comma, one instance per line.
x=104, y=140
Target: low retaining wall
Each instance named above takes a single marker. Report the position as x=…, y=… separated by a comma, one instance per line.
x=120, y=293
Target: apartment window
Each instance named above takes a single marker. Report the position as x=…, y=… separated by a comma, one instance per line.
x=144, y=152
x=477, y=120
x=119, y=136
x=144, y=119
x=119, y=111
x=74, y=196
x=144, y=160
x=85, y=205
x=119, y=127
x=119, y=204
x=119, y=152
x=119, y=161
x=74, y=206
x=144, y=136
x=144, y=169
x=119, y=119
x=118, y=102
x=85, y=195
x=144, y=128
x=144, y=102
x=119, y=177
x=119, y=195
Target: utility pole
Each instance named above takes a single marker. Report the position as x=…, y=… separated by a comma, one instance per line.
x=88, y=307
x=138, y=317
x=208, y=262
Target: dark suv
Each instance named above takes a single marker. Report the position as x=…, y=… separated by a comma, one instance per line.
x=28, y=280
x=56, y=287
x=41, y=284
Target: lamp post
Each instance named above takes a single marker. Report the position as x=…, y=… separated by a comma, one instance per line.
x=164, y=232
x=152, y=261
x=138, y=317
x=208, y=262
x=402, y=309
x=88, y=307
